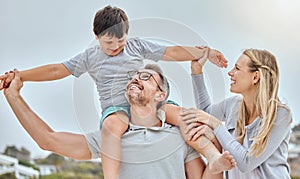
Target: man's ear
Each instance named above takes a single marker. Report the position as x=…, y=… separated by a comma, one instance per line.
x=256, y=77
x=160, y=96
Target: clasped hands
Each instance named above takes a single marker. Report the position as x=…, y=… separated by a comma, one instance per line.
x=6, y=79
x=214, y=56
x=11, y=83
x=199, y=123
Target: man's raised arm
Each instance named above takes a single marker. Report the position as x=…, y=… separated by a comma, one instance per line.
x=63, y=143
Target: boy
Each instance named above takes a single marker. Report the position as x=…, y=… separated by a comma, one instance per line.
x=108, y=64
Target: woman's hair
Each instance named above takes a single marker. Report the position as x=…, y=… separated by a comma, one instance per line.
x=265, y=99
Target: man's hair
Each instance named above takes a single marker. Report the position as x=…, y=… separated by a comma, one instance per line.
x=112, y=21
x=164, y=84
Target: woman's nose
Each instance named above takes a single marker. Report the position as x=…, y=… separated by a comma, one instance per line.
x=230, y=73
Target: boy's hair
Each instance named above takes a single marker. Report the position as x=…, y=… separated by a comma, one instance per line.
x=112, y=21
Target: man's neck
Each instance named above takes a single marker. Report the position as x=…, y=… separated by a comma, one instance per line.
x=144, y=116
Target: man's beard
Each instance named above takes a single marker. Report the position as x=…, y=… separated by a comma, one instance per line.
x=138, y=99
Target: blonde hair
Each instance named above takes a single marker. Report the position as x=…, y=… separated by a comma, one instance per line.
x=266, y=99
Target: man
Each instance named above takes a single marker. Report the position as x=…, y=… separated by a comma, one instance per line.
x=151, y=148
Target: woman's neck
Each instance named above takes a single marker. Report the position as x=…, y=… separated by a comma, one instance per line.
x=251, y=109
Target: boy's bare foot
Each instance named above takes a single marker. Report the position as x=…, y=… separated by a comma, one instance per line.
x=223, y=162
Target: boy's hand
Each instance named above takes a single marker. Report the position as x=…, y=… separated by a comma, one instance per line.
x=217, y=58
x=6, y=79
x=15, y=85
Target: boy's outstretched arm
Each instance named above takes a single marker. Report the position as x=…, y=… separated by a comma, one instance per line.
x=42, y=73
x=183, y=53
x=63, y=143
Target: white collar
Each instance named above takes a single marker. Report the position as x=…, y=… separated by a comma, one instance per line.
x=161, y=116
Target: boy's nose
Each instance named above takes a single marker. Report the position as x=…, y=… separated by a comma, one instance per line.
x=115, y=46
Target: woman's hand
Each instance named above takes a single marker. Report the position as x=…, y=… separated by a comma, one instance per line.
x=196, y=129
x=196, y=67
x=203, y=59
x=193, y=115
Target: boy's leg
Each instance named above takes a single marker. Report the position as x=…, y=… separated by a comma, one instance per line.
x=172, y=111
x=113, y=127
x=216, y=161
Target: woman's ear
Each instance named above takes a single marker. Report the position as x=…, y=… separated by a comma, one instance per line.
x=256, y=77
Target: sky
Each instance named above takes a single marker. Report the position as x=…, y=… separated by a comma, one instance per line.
x=35, y=33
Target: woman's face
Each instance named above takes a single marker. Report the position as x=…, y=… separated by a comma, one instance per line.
x=242, y=80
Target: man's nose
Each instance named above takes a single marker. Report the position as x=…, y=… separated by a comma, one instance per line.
x=135, y=78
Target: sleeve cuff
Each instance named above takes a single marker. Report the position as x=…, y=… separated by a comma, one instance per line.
x=223, y=136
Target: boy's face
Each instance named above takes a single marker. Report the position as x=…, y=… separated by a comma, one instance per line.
x=111, y=45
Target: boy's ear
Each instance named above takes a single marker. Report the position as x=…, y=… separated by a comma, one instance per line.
x=96, y=36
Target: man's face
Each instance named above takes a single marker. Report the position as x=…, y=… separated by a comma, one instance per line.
x=111, y=45
x=143, y=87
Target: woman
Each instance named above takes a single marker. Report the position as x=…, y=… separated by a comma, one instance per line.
x=257, y=125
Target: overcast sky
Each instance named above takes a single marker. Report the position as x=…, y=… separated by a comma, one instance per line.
x=35, y=33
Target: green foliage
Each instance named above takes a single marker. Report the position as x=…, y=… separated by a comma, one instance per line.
x=296, y=128
x=52, y=159
x=72, y=169
x=80, y=168
x=8, y=176
x=295, y=177
x=67, y=175
x=28, y=164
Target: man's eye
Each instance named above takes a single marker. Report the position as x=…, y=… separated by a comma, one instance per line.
x=145, y=75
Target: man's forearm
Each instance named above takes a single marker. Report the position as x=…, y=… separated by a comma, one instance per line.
x=45, y=73
x=66, y=144
x=29, y=120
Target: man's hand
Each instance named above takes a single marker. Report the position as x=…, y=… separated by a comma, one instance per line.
x=6, y=79
x=15, y=85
